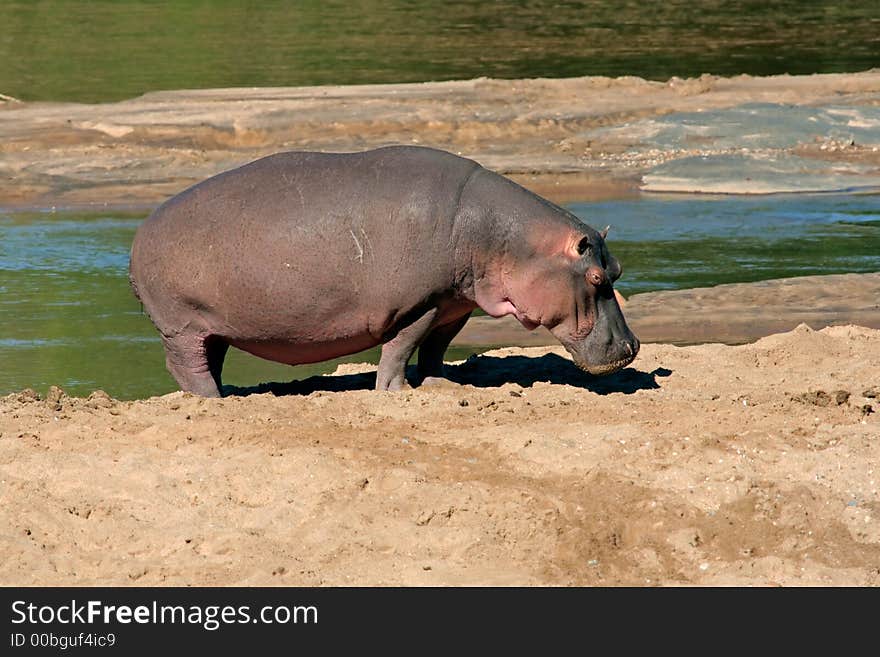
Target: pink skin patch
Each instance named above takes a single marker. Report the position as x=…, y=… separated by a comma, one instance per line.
x=506, y=307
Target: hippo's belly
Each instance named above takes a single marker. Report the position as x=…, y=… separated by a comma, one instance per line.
x=300, y=353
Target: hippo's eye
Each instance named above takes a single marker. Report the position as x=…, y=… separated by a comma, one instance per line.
x=583, y=246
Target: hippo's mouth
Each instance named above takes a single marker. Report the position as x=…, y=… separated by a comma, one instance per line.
x=609, y=367
x=606, y=368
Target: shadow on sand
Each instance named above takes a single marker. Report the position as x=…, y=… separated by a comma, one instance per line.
x=482, y=372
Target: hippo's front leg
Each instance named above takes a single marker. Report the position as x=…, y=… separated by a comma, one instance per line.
x=396, y=353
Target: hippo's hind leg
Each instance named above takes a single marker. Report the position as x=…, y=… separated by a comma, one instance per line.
x=434, y=346
x=195, y=361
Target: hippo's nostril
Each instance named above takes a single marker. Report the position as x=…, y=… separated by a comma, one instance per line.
x=630, y=348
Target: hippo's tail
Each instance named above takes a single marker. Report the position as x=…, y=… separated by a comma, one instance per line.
x=132, y=282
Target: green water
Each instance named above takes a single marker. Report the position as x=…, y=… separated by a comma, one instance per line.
x=684, y=241
x=108, y=50
x=68, y=318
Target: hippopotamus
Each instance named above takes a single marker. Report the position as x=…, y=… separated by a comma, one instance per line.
x=301, y=257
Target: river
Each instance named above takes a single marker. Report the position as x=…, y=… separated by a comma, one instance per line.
x=70, y=319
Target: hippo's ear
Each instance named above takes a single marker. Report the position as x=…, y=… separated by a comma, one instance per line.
x=604, y=233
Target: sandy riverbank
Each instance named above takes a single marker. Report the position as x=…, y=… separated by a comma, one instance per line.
x=568, y=139
x=708, y=464
x=700, y=465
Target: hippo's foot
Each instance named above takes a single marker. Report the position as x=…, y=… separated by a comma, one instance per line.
x=394, y=385
x=195, y=362
x=391, y=373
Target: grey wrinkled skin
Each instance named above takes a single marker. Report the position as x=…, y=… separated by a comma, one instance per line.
x=303, y=257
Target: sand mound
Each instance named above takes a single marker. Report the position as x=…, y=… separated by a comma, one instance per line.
x=697, y=465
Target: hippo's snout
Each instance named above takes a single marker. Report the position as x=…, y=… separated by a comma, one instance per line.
x=609, y=346
x=628, y=350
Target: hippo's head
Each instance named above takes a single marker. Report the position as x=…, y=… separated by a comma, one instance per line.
x=594, y=331
x=539, y=262
x=564, y=282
